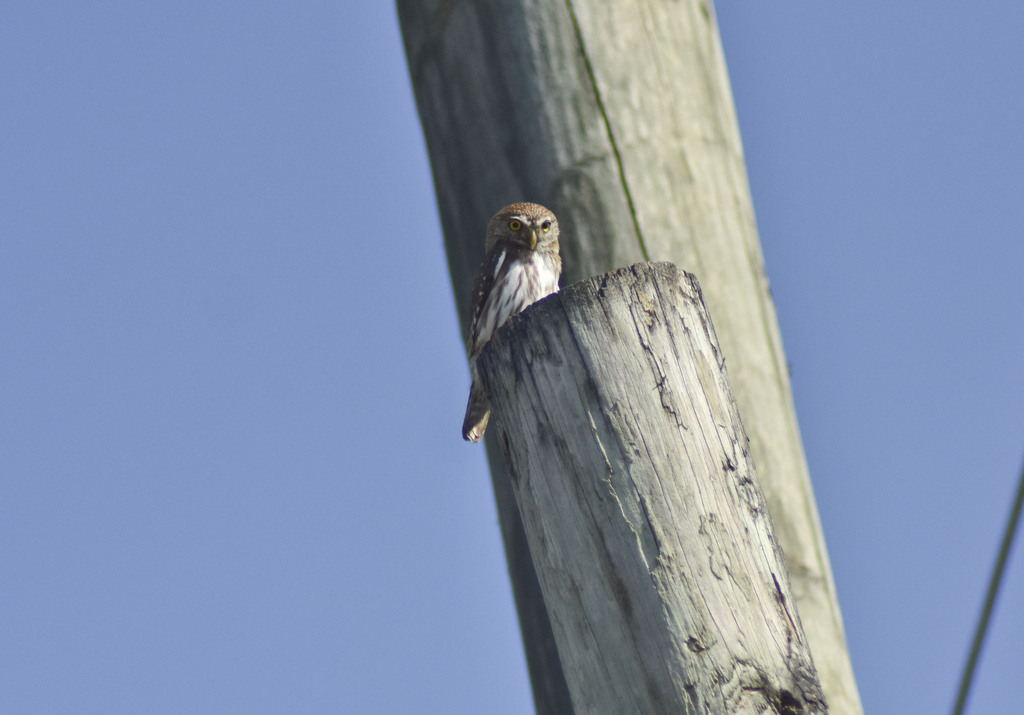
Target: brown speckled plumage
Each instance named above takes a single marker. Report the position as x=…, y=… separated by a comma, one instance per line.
x=521, y=266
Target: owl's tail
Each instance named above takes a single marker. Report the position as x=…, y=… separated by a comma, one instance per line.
x=478, y=411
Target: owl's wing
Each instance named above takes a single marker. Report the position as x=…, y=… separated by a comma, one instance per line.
x=480, y=327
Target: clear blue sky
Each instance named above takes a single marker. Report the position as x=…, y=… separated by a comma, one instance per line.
x=231, y=379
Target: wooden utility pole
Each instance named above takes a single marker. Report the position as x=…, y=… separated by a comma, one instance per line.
x=618, y=116
x=665, y=586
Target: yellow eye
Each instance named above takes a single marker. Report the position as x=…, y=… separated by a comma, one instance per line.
x=515, y=225
x=546, y=226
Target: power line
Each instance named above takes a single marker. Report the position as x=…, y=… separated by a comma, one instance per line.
x=990, y=599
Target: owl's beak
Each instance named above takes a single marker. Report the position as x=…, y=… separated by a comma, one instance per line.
x=533, y=238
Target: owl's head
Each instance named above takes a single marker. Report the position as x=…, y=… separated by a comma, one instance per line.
x=528, y=225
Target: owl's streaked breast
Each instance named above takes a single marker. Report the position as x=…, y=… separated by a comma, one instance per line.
x=518, y=282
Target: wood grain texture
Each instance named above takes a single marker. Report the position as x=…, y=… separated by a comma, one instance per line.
x=619, y=117
x=653, y=543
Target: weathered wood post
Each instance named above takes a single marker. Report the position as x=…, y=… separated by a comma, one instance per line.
x=665, y=586
x=618, y=116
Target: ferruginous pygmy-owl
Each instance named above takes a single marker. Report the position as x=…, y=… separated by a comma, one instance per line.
x=522, y=266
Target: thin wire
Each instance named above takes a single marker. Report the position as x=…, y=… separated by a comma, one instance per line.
x=990, y=599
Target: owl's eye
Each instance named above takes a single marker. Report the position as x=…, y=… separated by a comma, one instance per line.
x=515, y=225
x=546, y=226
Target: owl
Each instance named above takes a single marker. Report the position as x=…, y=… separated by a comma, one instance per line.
x=521, y=266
